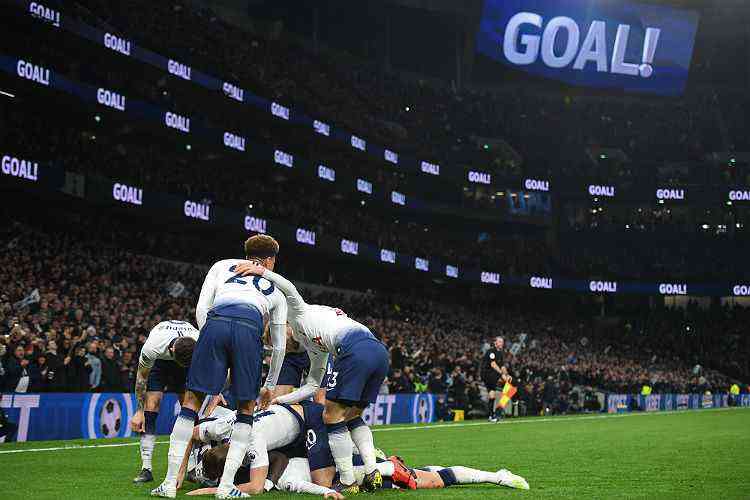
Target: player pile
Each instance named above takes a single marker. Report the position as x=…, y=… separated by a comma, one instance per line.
x=299, y=437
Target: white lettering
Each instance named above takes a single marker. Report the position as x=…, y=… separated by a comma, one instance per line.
x=127, y=194
x=673, y=289
x=480, y=177
x=50, y=15
x=306, y=237
x=326, y=173
x=603, y=286
x=430, y=168
x=548, y=42
x=451, y=271
x=529, y=42
x=197, y=210
x=255, y=224
x=536, y=185
x=110, y=99
x=739, y=195
x=322, y=128
x=594, y=48
x=114, y=42
x=177, y=122
x=358, y=143
x=421, y=264
x=178, y=69
x=279, y=111
x=350, y=247
x=390, y=156
x=234, y=141
x=398, y=198
x=490, y=277
x=283, y=158
x=670, y=194
x=33, y=72
x=233, y=92
x=23, y=169
x=595, y=190
x=387, y=256
x=538, y=282
x=741, y=290
x=363, y=186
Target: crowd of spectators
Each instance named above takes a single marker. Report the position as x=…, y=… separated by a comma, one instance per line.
x=75, y=311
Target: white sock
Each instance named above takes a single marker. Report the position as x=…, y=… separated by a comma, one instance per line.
x=178, y=443
x=466, y=475
x=362, y=437
x=147, y=449
x=386, y=468
x=341, y=445
x=242, y=435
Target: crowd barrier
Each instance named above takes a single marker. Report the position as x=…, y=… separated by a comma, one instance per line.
x=107, y=415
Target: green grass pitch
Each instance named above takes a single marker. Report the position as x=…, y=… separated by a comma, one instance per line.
x=694, y=454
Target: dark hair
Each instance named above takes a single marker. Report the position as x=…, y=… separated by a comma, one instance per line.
x=183, y=350
x=214, y=460
x=261, y=246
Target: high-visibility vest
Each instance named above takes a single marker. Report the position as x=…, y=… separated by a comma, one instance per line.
x=646, y=390
x=735, y=390
x=508, y=392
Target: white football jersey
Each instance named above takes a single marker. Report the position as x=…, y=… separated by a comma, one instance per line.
x=224, y=287
x=161, y=337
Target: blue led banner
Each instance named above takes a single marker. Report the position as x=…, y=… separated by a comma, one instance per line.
x=101, y=415
x=622, y=45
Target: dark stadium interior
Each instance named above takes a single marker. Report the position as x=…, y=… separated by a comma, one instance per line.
x=105, y=270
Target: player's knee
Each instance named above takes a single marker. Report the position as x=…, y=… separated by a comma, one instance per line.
x=333, y=412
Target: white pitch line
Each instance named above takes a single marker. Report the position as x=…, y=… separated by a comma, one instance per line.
x=417, y=427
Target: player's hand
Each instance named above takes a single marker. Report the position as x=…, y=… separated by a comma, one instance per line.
x=266, y=395
x=334, y=494
x=249, y=267
x=137, y=423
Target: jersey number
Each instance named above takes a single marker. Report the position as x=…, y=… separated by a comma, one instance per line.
x=237, y=278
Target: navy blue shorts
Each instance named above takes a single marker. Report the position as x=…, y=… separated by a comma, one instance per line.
x=359, y=369
x=329, y=370
x=316, y=437
x=231, y=338
x=166, y=376
x=295, y=365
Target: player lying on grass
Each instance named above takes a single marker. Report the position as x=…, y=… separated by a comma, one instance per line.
x=162, y=366
x=360, y=365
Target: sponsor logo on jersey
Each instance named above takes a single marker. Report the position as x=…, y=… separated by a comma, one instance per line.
x=430, y=168
x=490, y=277
x=603, y=286
x=540, y=282
x=233, y=91
x=536, y=185
x=283, y=158
x=114, y=42
x=480, y=177
x=421, y=264
x=326, y=173
x=17, y=167
x=305, y=236
x=111, y=99
x=673, y=288
x=177, y=122
x=605, y=191
x=178, y=69
x=33, y=72
x=451, y=271
x=358, y=143
x=350, y=247
x=127, y=194
x=234, y=141
x=670, y=194
x=197, y=210
x=279, y=111
x=255, y=224
x=45, y=13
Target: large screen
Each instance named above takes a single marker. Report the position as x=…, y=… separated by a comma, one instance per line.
x=597, y=43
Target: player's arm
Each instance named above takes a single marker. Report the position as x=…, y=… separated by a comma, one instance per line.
x=318, y=363
x=206, y=298
x=496, y=367
x=296, y=303
x=278, y=350
x=145, y=363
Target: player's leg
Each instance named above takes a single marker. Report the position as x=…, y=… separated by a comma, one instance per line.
x=207, y=374
x=148, y=437
x=431, y=477
x=373, y=358
x=290, y=377
x=246, y=354
x=340, y=442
